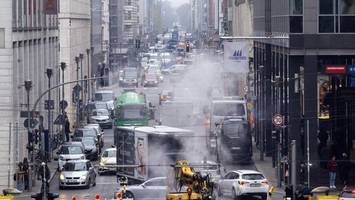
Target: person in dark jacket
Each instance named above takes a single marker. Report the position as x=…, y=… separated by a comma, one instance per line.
x=67, y=127
x=332, y=168
x=344, y=169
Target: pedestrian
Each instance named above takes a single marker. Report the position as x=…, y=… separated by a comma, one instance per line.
x=67, y=127
x=344, y=168
x=25, y=168
x=332, y=168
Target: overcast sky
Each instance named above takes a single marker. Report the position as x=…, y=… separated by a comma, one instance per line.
x=177, y=3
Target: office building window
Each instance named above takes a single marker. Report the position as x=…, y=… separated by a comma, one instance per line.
x=296, y=24
x=296, y=7
x=336, y=16
x=2, y=38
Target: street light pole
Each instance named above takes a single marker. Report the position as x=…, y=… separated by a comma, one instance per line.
x=76, y=99
x=49, y=73
x=28, y=86
x=88, y=64
x=81, y=56
x=63, y=65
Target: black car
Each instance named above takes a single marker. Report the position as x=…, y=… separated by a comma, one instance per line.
x=90, y=147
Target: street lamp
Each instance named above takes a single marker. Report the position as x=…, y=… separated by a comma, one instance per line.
x=49, y=73
x=77, y=84
x=28, y=86
x=63, y=65
x=81, y=56
x=87, y=88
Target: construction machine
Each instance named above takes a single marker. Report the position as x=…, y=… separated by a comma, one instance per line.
x=195, y=186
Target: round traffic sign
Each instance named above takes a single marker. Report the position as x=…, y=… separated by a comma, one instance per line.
x=63, y=104
x=278, y=120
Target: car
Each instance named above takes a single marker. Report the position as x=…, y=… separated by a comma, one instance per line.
x=129, y=77
x=104, y=96
x=240, y=183
x=347, y=193
x=77, y=173
x=70, y=151
x=166, y=95
x=151, y=79
x=101, y=117
x=86, y=132
x=155, y=188
x=90, y=147
x=108, y=161
x=99, y=131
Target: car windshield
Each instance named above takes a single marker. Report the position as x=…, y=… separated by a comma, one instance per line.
x=71, y=150
x=104, y=96
x=88, y=141
x=228, y=109
x=85, y=133
x=101, y=112
x=101, y=105
x=253, y=177
x=109, y=154
x=74, y=166
x=234, y=129
x=130, y=74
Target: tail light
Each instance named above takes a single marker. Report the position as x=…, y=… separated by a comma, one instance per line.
x=242, y=182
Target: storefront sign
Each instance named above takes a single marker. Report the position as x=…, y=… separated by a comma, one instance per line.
x=335, y=69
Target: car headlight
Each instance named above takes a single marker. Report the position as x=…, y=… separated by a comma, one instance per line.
x=61, y=158
x=83, y=177
x=102, y=163
x=62, y=177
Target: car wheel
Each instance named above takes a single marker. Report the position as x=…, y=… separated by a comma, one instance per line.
x=128, y=194
x=234, y=195
x=264, y=196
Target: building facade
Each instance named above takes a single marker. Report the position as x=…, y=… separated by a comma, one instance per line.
x=29, y=45
x=75, y=32
x=96, y=48
x=307, y=78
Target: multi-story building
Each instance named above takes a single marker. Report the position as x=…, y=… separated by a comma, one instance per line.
x=307, y=76
x=124, y=23
x=96, y=36
x=75, y=31
x=29, y=45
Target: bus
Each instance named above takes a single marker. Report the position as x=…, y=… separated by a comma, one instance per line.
x=131, y=109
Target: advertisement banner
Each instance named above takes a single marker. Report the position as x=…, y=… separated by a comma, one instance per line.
x=51, y=7
x=236, y=58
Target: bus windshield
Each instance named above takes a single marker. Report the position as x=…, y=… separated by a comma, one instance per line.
x=133, y=112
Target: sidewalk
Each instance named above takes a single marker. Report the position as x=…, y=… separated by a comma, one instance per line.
x=266, y=168
x=37, y=188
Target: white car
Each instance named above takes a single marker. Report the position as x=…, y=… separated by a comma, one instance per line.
x=243, y=183
x=108, y=161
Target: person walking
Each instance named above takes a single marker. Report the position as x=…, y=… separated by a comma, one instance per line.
x=332, y=168
x=344, y=169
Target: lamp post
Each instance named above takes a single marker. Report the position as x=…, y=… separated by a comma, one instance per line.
x=88, y=75
x=77, y=99
x=28, y=86
x=81, y=56
x=63, y=65
x=49, y=73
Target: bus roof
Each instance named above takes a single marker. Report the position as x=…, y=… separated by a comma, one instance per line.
x=130, y=98
x=159, y=130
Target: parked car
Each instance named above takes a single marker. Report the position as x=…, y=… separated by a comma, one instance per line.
x=108, y=161
x=236, y=184
x=348, y=193
x=77, y=173
x=70, y=151
x=100, y=133
x=101, y=117
x=151, y=79
x=155, y=188
x=104, y=96
x=90, y=147
x=86, y=132
x=129, y=77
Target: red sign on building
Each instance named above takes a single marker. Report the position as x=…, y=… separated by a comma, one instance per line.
x=335, y=69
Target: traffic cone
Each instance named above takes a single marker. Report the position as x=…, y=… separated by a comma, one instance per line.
x=73, y=198
x=97, y=197
x=118, y=196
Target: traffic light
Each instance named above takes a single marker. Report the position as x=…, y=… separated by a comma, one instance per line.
x=187, y=47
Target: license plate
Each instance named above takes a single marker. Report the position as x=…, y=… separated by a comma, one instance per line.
x=72, y=181
x=255, y=185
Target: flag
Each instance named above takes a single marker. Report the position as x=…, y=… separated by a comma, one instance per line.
x=236, y=57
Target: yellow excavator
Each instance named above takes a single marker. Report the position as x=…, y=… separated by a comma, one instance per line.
x=196, y=186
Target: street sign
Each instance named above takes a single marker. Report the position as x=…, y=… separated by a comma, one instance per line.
x=33, y=123
x=278, y=120
x=49, y=104
x=59, y=120
x=63, y=104
x=34, y=114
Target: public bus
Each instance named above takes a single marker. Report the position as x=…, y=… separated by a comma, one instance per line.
x=131, y=109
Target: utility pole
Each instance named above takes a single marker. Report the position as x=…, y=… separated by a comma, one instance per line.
x=49, y=73
x=77, y=99
x=81, y=56
x=63, y=65
x=88, y=85
x=28, y=86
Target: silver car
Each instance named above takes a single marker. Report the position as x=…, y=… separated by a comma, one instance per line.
x=101, y=117
x=70, y=151
x=152, y=189
x=77, y=173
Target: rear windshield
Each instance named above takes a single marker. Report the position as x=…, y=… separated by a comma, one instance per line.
x=71, y=150
x=234, y=129
x=253, y=177
x=103, y=96
x=85, y=133
x=228, y=109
